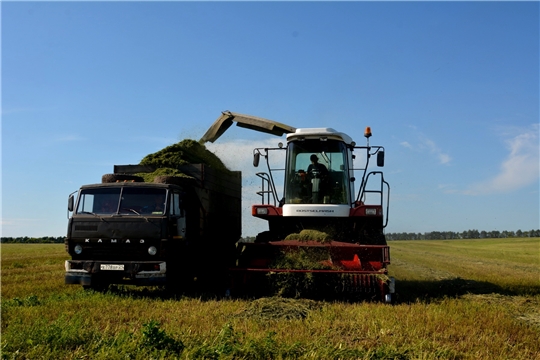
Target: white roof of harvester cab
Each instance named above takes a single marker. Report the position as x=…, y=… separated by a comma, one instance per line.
x=317, y=133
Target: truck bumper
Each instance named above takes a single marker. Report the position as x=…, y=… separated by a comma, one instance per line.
x=91, y=272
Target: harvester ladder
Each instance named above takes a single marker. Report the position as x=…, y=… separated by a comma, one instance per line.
x=267, y=189
x=380, y=191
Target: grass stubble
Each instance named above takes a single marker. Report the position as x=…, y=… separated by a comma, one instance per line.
x=477, y=299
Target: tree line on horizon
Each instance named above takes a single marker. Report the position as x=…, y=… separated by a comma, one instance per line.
x=445, y=235
x=432, y=235
x=33, y=240
x=468, y=234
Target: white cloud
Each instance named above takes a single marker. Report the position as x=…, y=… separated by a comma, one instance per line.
x=520, y=168
x=425, y=144
x=444, y=158
x=405, y=144
x=238, y=156
x=435, y=150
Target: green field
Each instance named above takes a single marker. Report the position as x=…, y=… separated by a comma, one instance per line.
x=457, y=299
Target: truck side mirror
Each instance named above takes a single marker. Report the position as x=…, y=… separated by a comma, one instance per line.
x=256, y=158
x=380, y=158
x=70, y=203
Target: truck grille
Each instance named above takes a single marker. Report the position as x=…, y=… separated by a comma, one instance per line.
x=117, y=254
x=86, y=227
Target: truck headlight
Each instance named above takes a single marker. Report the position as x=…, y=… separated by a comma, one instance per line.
x=152, y=250
x=78, y=249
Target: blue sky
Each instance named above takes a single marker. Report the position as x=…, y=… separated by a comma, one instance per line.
x=450, y=89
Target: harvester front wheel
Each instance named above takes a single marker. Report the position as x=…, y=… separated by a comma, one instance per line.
x=389, y=291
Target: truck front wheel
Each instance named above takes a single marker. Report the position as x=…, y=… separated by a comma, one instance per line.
x=96, y=285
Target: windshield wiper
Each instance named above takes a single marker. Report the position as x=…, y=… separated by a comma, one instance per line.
x=136, y=212
x=91, y=213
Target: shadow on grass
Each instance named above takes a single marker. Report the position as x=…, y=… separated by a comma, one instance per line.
x=427, y=290
x=407, y=291
x=159, y=293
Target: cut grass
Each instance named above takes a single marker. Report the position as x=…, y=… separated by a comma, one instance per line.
x=310, y=234
x=170, y=158
x=273, y=308
x=182, y=153
x=43, y=318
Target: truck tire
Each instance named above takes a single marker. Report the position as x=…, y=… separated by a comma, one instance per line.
x=112, y=178
x=97, y=286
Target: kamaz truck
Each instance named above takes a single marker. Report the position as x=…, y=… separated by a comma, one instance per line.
x=177, y=231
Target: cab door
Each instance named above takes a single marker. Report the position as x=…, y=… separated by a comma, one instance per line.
x=178, y=215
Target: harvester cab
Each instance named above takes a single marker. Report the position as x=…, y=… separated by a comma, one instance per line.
x=319, y=188
x=322, y=232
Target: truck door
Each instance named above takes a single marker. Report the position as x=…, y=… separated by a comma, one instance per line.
x=178, y=213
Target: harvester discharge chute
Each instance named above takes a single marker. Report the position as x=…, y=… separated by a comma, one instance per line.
x=246, y=121
x=323, y=237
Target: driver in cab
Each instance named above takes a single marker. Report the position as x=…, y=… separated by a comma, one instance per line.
x=316, y=169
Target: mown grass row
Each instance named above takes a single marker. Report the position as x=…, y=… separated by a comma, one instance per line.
x=448, y=309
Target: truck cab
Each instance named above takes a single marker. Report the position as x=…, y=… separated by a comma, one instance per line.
x=120, y=232
x=174, y=231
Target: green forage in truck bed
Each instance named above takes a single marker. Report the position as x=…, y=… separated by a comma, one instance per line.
x=184, y=152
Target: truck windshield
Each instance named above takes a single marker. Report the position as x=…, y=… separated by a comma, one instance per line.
x=122, y=200
x=142, y=201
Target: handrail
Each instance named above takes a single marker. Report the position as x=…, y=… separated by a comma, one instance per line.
x=387, y=200
x=266, y=180
x=363, y=191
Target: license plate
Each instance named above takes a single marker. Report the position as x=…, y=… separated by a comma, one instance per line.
x=112, y=267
